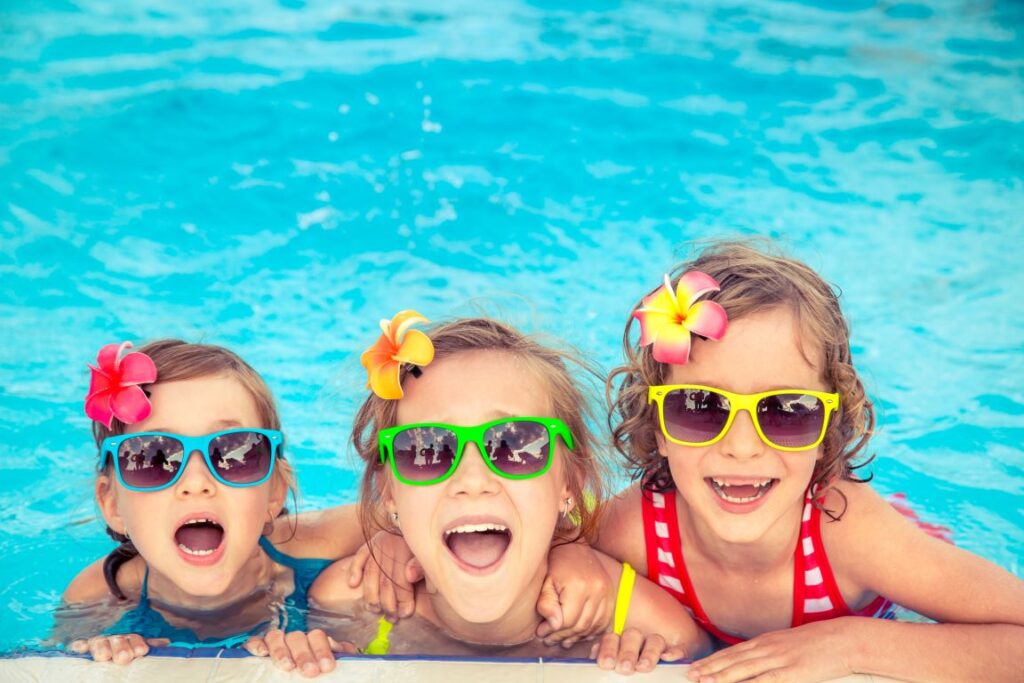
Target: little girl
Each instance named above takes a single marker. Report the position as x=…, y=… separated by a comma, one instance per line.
x=513, y=458
x=192, y=483
x=743, y=437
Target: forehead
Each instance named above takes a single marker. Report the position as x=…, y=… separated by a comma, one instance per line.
x=763, y=351
x=472, y=387
x=207, y=400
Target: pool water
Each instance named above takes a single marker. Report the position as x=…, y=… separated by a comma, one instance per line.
x=278, y=176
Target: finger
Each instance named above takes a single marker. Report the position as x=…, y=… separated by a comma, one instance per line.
x=651, y=653
x=722, y=659
x=673, y=654
x=137, y=644
x=323, y=653
x=371, y=586
x=388, y=598
x=256, y=647
x=413, y=571
x=548, y=607
x=79, y=646
x=572, y=603
x=584, y=621
x=355, y=570
x=344, y=646
x=302, y=655
x=758, y=668
x=279, y=652
x=607, y=651
x=99, y=648
x=629, y=650
x=121, y=649
x=158, y=642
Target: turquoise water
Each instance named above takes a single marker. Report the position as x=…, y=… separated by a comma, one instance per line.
x=277, y=177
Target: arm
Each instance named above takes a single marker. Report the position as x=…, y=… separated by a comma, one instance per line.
x=76, y=623
x=984, y=602
x=332, y=533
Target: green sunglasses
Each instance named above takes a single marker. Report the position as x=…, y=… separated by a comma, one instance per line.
x=513, y=447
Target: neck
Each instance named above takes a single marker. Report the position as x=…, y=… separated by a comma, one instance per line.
x=254, y=574
x=773, y=549
x=518, y=625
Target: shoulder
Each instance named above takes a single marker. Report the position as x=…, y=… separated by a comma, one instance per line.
x=91, y=586
x=621, y=532
x=331, y=591
x=331, y=533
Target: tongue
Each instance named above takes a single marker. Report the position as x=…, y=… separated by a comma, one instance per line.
x=741, y=490
x=479, y=549
x=200, y=536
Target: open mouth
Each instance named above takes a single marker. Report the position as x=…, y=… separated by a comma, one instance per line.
x=746, y=492
x=479, y=546
x=199, y=537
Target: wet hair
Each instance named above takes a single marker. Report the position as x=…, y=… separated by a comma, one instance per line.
x=177, y=360
x=752, y=281
x=584, y=469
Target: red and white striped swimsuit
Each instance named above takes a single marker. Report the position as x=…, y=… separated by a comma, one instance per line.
x=816, y=596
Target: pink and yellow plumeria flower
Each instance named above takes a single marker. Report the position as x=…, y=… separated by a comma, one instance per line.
x=668, y=317
x=114, y=389
x=397, y=345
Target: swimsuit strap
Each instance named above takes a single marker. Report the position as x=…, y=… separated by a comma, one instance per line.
x=622, y=599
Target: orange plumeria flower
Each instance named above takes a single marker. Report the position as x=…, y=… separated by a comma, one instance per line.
x=397, y=345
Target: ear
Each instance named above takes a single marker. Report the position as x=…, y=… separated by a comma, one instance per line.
x=659, y=439
x=384, y=491
x=106, y=498
x=278, y=496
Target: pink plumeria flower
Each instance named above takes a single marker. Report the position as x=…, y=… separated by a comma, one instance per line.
x=114, y=389
x=668, y=317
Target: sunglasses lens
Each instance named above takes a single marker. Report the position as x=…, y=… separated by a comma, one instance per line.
x=241, y=457
x=791, y=420
x=424, y=454
x=149, y=461
x=518, y=447
x=695, y=415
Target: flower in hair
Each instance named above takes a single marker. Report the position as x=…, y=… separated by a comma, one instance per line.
x=667, y=317
x=114, y=389
x=397, y=345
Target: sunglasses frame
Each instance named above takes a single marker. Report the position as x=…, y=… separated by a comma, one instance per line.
x=191, y=444
x=475, y=435
x=656, y=393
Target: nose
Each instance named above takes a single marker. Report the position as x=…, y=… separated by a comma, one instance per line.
x=472, y=476
x=742, y=440
x=196, y=479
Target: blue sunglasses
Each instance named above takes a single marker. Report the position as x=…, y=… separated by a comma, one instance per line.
x=151, y=461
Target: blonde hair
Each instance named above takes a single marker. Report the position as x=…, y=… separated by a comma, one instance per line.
x=175, y=361
x=583, y=468
x=751, y=281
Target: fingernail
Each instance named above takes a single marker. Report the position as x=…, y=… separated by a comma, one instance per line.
x=140, y=650
x=310, y=668
x=325, y=664
x=287, y=664
x=645, y=663
x=627, y=666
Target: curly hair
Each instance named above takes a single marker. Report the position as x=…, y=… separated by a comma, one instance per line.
x=751, y=281
x=583, y=466
x=175, y=361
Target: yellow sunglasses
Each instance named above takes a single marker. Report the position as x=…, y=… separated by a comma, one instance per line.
x=785, y=419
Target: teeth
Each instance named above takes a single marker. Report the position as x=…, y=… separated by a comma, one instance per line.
x=202, y=520
x=475, y=528
x=191, y=551
x=759, y=484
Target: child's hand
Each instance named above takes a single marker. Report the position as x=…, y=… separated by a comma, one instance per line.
x=119, y=649
x=577, y=599
x=311, y=653
x=812, y=652
x=388, y=576
x=633, y=651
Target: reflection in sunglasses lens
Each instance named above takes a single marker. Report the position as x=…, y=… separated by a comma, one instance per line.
x=518, y=447
x=424, y=453
x=149, y=461
x=791, y=420
x=695, y=415
x=241, y=457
